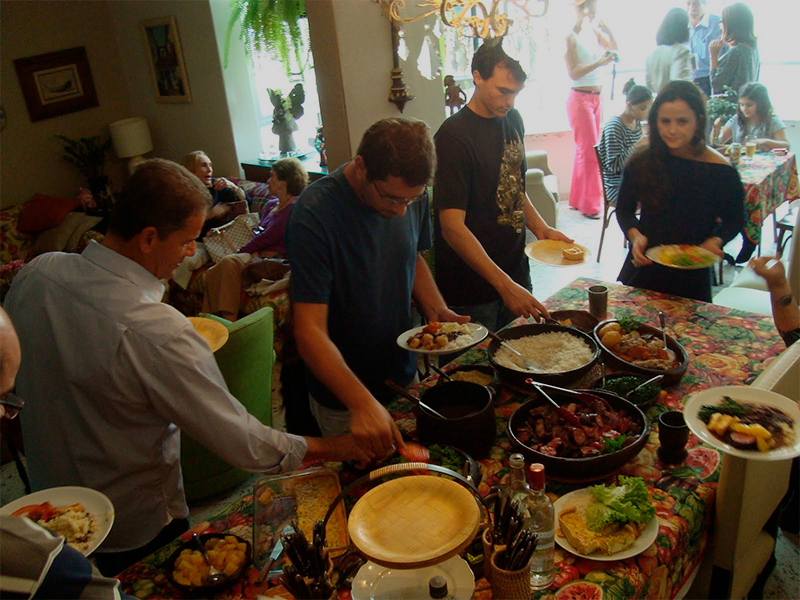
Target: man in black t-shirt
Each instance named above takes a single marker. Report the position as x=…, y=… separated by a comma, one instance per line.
x=481, y=207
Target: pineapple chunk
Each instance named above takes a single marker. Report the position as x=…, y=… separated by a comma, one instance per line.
x=763, y=444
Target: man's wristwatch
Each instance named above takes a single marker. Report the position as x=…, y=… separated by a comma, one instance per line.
x=784, y=301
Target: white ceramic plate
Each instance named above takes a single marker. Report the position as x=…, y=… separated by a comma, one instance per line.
x=641, y=544
x=478, y=333
x=751, y=395
x=654, y=254
x=373, y=582
x=95, y=503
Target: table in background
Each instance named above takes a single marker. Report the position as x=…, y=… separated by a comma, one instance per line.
x=257, y=170
x=769, y=181
x=725, y=346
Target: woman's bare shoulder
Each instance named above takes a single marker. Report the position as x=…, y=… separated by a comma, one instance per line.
x=711, y=155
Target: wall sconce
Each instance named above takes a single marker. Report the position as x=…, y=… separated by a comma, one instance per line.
x=131, y=139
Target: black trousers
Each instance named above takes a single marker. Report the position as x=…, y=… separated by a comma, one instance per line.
x=112, y=563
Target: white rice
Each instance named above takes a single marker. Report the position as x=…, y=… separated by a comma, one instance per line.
x=553, y=352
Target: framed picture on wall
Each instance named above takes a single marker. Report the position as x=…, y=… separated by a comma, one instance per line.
x=166, y=60
x=56, y=83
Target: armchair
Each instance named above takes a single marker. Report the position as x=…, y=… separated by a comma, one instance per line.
x=542, y=186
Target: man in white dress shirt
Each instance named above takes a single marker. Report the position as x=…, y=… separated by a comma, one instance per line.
x=110, y=373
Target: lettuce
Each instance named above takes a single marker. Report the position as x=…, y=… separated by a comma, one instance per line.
x=621, y=503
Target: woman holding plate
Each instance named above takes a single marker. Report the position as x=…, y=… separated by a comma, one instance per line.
x=688, y=194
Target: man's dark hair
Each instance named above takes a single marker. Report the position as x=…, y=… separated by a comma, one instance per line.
x=491, y=54
x=160, y=194
x=293, y=173
x=399, y=147
x=674, y=28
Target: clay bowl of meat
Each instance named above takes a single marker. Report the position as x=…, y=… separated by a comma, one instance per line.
x=564, y=358
x=611, y=433
x=469, y=422
x=641, y=350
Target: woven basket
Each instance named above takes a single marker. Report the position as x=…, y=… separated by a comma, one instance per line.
x=509, y=585
x=488, y=551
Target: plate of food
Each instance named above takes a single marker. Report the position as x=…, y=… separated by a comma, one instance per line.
x=607, y=522
x=442, y=338
x=557, y=253
x=745, y=422
x=682, y=256
x=82, y=515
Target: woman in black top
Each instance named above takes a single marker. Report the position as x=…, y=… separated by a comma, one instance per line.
x=687, y=191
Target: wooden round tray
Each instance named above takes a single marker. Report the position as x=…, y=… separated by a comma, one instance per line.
x=414, y=521
x=548, y=252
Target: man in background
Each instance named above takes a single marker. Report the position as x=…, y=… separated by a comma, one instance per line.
x=704, y=28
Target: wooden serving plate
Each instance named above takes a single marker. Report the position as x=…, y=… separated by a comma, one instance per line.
x=414, y=521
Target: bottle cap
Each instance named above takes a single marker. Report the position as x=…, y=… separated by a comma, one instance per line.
x=536, y=477
x=437, y=587
x=515, y=461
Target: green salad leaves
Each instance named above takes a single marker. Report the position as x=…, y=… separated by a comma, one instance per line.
x=621, y=503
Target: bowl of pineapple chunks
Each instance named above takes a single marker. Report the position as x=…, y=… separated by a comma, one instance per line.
x=229, y=554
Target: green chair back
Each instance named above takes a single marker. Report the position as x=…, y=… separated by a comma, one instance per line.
x=246, y=362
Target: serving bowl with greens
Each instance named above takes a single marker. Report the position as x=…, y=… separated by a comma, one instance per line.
x=450, y=458
x=623, y=384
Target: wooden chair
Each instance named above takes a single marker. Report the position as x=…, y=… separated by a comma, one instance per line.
x=784, y=226
x=608, y=208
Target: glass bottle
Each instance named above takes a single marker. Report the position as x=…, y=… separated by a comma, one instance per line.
x=542, y=522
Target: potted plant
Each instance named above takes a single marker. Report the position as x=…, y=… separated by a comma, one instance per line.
x=272, y=26
x=285, y=111
x=89, y=155
x=722, y=106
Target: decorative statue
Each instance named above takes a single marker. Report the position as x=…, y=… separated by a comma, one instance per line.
x=286, y=110
x=454, y=96
x=319, y=144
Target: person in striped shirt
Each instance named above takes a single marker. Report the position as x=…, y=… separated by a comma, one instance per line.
x=621, y=133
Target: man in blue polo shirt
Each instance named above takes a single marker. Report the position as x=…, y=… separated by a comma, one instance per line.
x=353, y=240
x=704, y=28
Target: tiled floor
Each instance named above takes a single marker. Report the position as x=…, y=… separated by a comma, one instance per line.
x=785, y=580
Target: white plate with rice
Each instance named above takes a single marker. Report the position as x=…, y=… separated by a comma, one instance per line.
x=84, y=531
x=552, y=352
x=467, y=336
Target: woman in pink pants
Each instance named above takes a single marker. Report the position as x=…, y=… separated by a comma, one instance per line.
x=590, y=45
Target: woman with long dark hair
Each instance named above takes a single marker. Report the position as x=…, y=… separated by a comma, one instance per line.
x=740, y=64
x=753, y=118
x=671, y=59
x=688, y=194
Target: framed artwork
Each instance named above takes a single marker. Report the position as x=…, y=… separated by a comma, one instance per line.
x=56, y=83
x=166, y=60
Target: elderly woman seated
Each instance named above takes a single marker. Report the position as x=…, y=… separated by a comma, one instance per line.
x=224, y=280
x=224, y=193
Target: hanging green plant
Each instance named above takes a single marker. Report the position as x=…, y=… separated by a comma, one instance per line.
x=272, y=26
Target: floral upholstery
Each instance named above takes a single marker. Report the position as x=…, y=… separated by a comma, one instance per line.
x=14, y=244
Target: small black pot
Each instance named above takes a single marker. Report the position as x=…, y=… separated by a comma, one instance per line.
x=470, y=424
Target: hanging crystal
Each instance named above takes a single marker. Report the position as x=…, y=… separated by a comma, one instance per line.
x=428, y=62
x=402, y=48
x=437, y=28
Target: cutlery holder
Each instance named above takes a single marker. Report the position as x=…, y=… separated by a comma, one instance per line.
x=488, y=551
x=509, y=585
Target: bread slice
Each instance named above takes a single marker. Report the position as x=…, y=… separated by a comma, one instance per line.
x=610, y=540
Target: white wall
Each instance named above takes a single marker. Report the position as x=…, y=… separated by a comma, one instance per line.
x=352, y=46
x=30, y=158
x=203, y=124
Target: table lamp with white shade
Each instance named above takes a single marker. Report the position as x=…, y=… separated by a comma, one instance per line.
x=131, y=139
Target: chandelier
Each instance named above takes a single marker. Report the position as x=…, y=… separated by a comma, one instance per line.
x=471, y=17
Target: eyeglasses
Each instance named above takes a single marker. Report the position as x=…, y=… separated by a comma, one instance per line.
x=395, y=200
x=12, y=404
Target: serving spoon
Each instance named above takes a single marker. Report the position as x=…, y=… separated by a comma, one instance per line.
x=214, y=574
x=525, y=362
x=442, y=375
x=392, y=385
x=641, y=385
x=569, y=416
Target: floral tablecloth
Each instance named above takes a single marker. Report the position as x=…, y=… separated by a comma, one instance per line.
x=769, y=181
x=725, y=347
